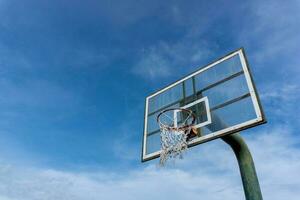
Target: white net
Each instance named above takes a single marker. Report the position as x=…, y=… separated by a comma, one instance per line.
x=173, y=144
x=173, y=135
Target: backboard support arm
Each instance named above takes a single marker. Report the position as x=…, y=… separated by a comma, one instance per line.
x=246, y=165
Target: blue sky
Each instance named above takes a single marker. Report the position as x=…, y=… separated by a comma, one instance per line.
x=73, y=80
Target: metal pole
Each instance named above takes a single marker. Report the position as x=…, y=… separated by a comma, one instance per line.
x=247, y=169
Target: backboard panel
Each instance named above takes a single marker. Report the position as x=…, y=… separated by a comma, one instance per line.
x=221, y=95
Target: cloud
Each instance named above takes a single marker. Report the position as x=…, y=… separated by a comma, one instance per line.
x=273, y=37
x=152, y=66
x=270, y=35
x=285, y=92
x=124, y=146
x=167, y=60
x=280, y=100
x=279, y=163
x=207, y=172
x=188, y=44
x=210, y=172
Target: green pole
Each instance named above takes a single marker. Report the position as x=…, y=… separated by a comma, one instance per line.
x=247, y=169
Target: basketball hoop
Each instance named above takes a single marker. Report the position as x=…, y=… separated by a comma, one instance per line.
x=176, y=126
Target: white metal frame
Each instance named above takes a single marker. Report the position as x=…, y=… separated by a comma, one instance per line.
x=217, y=134
x=208, y=121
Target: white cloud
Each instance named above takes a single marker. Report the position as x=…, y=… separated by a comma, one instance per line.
x=208, y=172
x=274, y=34
x=166, y=59
x=281, y=99
x=152, y=66
x=285, y=92
x=123, y=146
x=278, y=163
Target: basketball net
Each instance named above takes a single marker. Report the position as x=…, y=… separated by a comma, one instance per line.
x=174, y=138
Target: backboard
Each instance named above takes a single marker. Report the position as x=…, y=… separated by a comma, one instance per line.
x=222, y=96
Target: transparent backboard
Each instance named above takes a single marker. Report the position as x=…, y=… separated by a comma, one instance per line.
x=221, y=95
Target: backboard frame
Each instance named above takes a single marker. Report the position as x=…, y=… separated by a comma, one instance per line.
x=233, y=129
x=208, y=115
